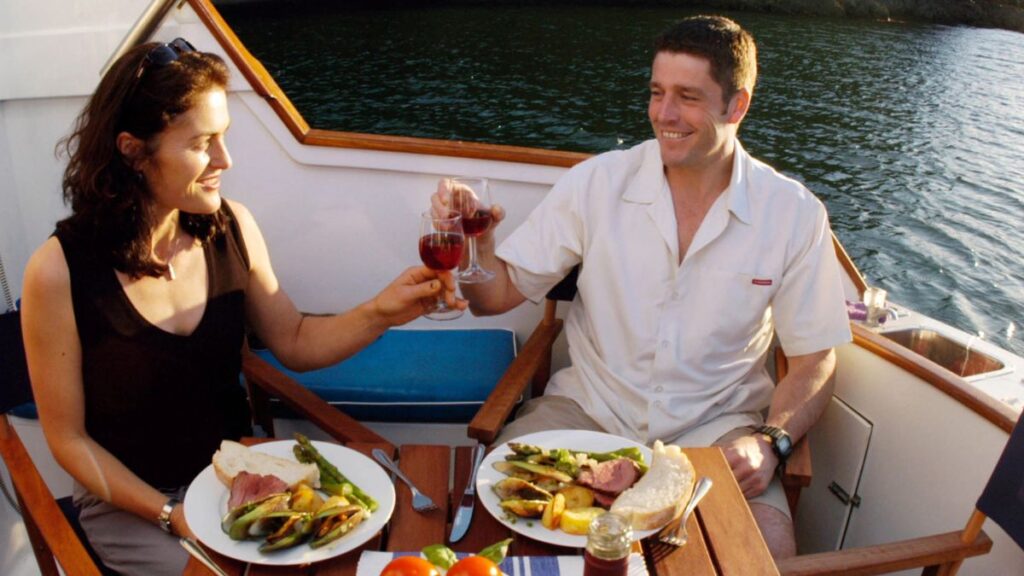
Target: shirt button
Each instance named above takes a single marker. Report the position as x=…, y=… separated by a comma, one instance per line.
x=657, y=402
x=664, y=343
x=675, y=295
x=659, y=388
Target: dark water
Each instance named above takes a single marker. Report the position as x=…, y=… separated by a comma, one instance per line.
x=913, y=135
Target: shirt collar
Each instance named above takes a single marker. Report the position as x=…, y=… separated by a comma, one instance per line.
x=650, y=180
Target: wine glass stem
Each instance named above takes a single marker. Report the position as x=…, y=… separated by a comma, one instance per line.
x=472, y=253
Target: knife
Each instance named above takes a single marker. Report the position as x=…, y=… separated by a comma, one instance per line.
x=465, y=512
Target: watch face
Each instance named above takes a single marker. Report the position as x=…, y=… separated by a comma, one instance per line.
x=784, y=444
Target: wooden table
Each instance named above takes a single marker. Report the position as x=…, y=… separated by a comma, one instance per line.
x=724, y=540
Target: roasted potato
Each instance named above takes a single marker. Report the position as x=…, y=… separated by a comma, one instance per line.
x=553, y=512
x=578, y=521
x=577, y=496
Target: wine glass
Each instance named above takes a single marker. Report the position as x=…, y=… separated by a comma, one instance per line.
x=471, y=197
x=441, y=243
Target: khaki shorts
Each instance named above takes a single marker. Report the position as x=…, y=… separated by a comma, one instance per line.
x=563, y=413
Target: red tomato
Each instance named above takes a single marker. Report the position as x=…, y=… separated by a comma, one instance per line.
x=474, y=566
x=409, y=566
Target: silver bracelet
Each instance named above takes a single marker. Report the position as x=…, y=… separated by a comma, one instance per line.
x=164, y=519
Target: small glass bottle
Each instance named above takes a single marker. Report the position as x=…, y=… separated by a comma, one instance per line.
x=608, y=544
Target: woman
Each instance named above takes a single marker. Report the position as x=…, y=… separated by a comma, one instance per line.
x=135, y=311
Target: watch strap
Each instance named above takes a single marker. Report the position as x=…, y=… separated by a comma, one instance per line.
x=774, y=433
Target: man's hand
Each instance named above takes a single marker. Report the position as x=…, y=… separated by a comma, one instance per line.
x=414, y=293
x=753, y=463
x=449, y=196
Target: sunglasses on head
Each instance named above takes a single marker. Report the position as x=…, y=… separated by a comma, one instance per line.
x=161, y=55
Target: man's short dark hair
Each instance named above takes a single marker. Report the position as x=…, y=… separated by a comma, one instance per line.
x=725, y=44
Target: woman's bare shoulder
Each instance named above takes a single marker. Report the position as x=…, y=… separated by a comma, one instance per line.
x=47, y=270
x=242, y=214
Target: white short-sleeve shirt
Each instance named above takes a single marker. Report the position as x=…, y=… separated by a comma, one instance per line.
x=659, y=349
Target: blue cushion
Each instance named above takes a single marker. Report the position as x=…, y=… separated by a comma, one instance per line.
x=27, y=410
x=414, y=375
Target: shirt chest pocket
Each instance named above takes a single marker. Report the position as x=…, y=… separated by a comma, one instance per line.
x=729, y=304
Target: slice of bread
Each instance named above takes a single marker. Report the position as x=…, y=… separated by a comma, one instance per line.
x=233, y=458
x=661, y=494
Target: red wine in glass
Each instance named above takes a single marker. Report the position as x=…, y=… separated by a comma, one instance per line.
x=440, y=243
x=441, y=250
x=471, y=197
x=476, y=224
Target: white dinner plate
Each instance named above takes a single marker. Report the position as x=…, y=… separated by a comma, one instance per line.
x=206, y=502
x=580, y=440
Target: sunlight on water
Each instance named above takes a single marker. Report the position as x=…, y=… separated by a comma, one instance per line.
x=913, y=135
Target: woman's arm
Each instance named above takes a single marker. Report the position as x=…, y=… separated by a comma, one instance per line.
x=309, y=342
x=54, y=356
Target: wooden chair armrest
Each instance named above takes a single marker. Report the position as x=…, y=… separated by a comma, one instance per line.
x=797, y=471
x=796, y=475
x=891, y=557
x=258, y=372
x=498, y=406
x=44, y=517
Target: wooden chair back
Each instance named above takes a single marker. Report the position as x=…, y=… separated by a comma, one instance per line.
x=53, y=538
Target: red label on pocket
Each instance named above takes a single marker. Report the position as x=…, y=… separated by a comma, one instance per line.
x=761, y=282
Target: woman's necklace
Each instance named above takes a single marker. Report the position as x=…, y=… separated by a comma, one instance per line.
x=179, y=245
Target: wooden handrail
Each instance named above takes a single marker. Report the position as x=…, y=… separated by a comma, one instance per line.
x=847, y=263
x=264, y=85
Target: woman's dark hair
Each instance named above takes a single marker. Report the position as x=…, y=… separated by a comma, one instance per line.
x=111, y=205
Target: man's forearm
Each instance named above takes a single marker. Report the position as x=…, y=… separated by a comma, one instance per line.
x=802, y=395
x=497, y=295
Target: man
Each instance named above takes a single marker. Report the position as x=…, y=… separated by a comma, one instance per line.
x=692, y=254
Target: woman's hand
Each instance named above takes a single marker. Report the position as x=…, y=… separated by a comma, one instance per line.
x=178, y=525
x=413, y=293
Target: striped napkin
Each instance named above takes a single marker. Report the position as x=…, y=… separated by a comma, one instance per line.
x=371, y=563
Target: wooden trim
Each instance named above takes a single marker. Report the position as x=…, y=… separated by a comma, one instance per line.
x=936, y=375
x=456, y=148
x=251, y=68
x=264, y=85
x=50, y=532
x=847, y=263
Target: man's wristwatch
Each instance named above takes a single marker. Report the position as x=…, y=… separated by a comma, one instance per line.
x=164, y=519
x=781, y=443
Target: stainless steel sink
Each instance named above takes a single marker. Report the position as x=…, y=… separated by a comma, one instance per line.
x=944, y=351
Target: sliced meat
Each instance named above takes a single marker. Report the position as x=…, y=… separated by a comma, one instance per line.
x=248, y=487
x=604, y=500
x=611, y=477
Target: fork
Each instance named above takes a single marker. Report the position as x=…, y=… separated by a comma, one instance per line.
x=420, y=501
x=193, y=548
x=678, y=536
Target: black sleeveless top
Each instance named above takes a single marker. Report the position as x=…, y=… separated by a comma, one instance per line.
x=161, y=403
